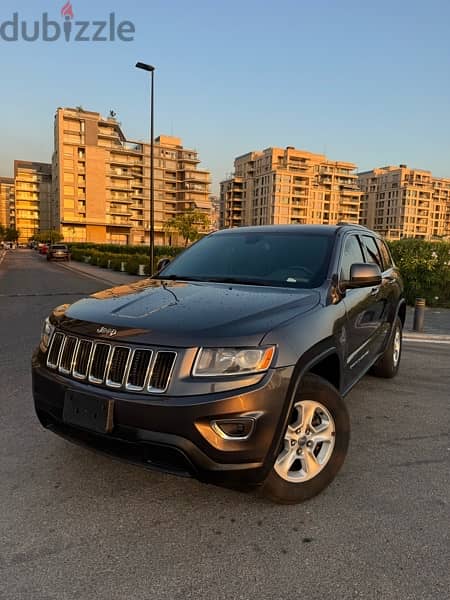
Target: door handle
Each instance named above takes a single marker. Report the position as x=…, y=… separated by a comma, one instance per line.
x=374, y=291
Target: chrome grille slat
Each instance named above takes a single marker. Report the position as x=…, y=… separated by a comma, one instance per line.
x=112, y=365
x=82, y=359
x=161, y=372
x=138, y=369
x=117, y=366
x=67, y=354
x=99, y=362
x=55, y=349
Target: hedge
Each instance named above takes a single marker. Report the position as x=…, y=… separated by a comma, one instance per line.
x=425, y=268
x=160, y=251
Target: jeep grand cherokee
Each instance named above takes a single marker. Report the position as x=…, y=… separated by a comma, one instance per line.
x=231, y=363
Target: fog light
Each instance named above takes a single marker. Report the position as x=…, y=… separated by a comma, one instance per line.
x=234, y=429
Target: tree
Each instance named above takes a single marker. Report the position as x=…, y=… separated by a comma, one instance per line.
x=51, y=236
x=12, y=235
x=188, y=225
x=2, y=232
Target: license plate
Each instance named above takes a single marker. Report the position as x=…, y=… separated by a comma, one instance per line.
x=89, y=412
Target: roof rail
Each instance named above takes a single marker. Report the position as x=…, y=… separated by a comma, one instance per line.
x=342, y=223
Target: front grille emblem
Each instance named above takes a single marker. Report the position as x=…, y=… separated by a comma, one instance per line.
x=107, y=331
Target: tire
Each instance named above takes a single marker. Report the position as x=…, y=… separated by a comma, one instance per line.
x=387, y=366
x=305, y=466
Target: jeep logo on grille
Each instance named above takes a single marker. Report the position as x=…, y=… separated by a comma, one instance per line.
x=107, y=331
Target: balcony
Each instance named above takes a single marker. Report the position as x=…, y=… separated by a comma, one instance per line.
x=189, y=158
x=118, y=210
x=120, y=187
x=119, y=175
x=118, y=222
x=117, y=160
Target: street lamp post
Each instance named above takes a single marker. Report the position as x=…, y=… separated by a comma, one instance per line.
x=151, y=70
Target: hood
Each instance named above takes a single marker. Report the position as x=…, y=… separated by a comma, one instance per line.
x=190, y=314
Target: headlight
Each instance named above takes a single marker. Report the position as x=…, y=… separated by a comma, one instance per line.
x=212, y=362
x=46, y=334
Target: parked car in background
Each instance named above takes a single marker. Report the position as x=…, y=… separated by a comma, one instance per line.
x=43, y=248
x=58, y=252
x=231, y=363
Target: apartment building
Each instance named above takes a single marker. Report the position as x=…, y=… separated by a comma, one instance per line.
x=288, y=186
x=401, y=202
x=7, y=205
x=32, y=184
x=214, y=219
x=101, y=181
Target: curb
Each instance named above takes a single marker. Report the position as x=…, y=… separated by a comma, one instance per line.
x=426, y=337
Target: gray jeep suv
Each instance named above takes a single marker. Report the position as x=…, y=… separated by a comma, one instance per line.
x=231, y=363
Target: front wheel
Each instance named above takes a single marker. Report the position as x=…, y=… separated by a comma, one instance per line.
x=314, y=444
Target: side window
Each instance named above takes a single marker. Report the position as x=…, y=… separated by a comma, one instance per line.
x=371, y=251
x=385, y=254
x=352, y=254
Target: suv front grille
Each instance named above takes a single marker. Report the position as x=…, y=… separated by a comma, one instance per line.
x=111, y=365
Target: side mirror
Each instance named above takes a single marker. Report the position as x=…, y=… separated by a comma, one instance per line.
x=162, y=263
x=364, y=275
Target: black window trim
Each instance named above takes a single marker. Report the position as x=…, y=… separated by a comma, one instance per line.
x=362, y=235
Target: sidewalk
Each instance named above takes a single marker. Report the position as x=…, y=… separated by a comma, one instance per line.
x=107, y=276
x=436, y=322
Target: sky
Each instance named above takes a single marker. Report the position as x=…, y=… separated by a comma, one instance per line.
x=365, y=82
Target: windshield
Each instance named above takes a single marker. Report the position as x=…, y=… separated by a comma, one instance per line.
x=259, y=258
x=59, y=247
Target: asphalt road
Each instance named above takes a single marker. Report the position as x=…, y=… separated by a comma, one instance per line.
x=75, y=525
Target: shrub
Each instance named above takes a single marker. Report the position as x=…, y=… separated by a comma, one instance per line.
x=425, y=268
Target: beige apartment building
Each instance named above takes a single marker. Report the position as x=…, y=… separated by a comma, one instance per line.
x=289, y=186
x=32, y=184
x=401, y=202
x=7, y=205
x=101, y=181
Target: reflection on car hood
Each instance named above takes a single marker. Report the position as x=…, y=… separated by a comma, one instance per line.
x=189, y=314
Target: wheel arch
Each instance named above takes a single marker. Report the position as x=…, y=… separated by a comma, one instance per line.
x=401, y=311
x=315, y=361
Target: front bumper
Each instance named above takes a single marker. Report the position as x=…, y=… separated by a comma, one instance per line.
x=173, y=434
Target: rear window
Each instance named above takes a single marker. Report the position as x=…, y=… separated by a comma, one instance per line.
x=385, y=254
x=371, y=251
x=59, y=247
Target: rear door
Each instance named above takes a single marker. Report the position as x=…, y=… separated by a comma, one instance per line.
x=391, y=281
x=359, y=329
x=380, y=295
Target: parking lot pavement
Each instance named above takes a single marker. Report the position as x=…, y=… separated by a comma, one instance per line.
x=75, y=525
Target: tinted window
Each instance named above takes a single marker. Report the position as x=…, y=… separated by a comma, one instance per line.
x=265, y=258
x=385, y=255
x=352, y=254
x=371, y=251
x=55, y=247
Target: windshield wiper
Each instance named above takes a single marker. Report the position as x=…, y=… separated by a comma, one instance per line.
x=238, y=280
